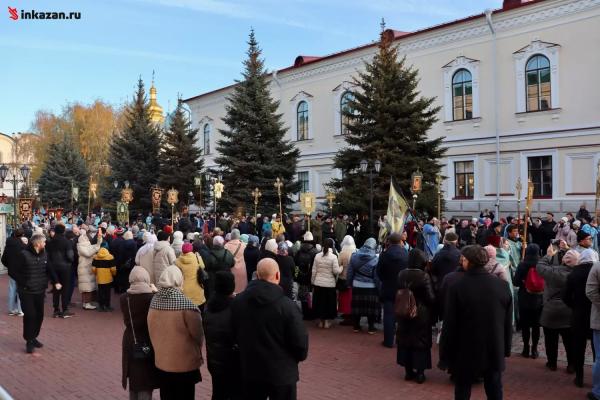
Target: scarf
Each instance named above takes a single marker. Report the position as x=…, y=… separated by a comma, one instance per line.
x=171, y=299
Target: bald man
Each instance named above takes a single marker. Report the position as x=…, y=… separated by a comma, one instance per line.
x=271, y=336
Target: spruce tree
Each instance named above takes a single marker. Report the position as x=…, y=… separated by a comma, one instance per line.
x=180, y=158
x=134, y=155
x=388, y=121
x=63, y=169
x=253, y=151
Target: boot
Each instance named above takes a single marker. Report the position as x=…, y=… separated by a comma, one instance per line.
x=534, y=352
x=525, y=352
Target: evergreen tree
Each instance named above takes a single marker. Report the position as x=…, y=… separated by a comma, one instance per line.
x=253, y=151
x=180, y=159
x=134, y=155
x=63, y=169
x=388, y=121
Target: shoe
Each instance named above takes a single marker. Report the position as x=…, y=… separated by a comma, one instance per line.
x=410, y=376
x=67, y=314
x=525, y=352
x=327, y=325
x=357, y=330
x=321, y=324
x=372, y=331
x=37, y=343
x=592, y=396
x=20, y=314
x=570, y=369
x=578, y=381
x=101, y=309
x=534, y=354
x=391, y=346
x=88, y=306
x=57, y=314
x=550, y=366
x=29, y=346
x=12, y=313
x=420, y=379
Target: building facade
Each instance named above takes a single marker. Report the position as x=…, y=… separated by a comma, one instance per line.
x=520, y=98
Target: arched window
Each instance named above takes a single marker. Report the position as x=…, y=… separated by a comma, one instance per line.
x=537, y=71
x=462, y=95
x=346, y=98
x=206, y=139
x=302, y=121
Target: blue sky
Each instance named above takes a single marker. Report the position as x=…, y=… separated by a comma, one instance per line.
x=194, y=46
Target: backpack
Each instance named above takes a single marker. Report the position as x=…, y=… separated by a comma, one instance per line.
x=405, y=305
x=534, y=283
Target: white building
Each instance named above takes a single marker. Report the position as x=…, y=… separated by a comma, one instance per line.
x=519, y=88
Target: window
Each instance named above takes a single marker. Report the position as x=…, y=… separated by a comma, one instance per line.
x=540, y=173
x=206, y=139
x=346, y=98
x=302, y=121
x=464, y=179
x=462, y=95
x=303, y=179
x=537, y=74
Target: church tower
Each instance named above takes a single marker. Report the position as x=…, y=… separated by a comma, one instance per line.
x=156, y=111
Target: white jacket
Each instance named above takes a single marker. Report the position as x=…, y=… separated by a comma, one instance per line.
x=164, y=255
x=86, y=280
x=325, y=270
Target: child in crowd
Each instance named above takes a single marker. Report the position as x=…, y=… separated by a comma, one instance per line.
x=105, y=269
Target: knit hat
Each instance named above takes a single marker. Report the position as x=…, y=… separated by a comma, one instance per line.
x=476, y=255
x=224, y=283
x=168, y=229
x=120, y=231
x=571, y=258
x=128, y=235
x=308, y=237
x=187, y=248
x=191, y=236
x=59, y=228
x=581, y=235
x=577, y=224
x=271, y=246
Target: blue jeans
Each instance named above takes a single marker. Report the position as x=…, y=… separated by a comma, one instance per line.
x=596, y=367
x=14, y=304
x=389, y=323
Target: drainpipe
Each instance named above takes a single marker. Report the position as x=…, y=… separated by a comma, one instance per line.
x=488, y=19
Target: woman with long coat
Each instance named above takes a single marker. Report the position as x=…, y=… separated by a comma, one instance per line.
x=142, y=374
x=145, y=255
x=325, y=270
x=237, y=248
x=362, y=278
x=413, y=335
x=345, y=294
x=86, y=279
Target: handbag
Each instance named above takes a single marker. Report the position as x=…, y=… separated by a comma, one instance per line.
x=201, y=275
x=139, y=351
x=405, y=305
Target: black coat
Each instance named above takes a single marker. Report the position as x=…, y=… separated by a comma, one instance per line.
x=142, y=375
x=270, y=333
x=60, y=253
x=574, y=296
x=31, y=271
x=222, y=354
x=445, y=261
x=415, y=333
x=251, y=255
x=286, y=270
x=527, y=301
x=449, y=280
x=391, y=262
x=547, y=233
x=477, y=329
x=304, y=260
x=12, y=251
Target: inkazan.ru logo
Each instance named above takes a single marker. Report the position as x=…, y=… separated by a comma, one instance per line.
x=14, y=14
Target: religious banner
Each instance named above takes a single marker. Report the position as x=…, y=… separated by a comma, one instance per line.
x=307, y=202
x=25, y=209
x=397, y=213
x=172, y=197
x=127, y=195
x=156, y=194
x=93, y=189
x=122, y=212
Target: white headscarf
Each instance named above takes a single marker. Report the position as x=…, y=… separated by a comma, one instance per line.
x=171, y=278
x=149, y=240
x=588, y=256
x=348, y=243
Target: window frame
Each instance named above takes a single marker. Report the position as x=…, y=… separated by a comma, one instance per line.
x=541, y=170
x=307, y=181
x=346, y=97
x=538, y=73
x=463, y=86
x=466, y=175
x=449, y=70
x=206, y=132
x=305, y=124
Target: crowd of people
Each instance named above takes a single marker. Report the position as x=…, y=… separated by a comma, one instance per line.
x=243, y=289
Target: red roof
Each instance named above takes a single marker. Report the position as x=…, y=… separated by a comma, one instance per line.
x=302, y=61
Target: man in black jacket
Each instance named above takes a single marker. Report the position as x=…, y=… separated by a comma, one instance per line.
x=271, y=336
x=32, y=280
x=477, y=327
x=445, y=261
x=12, y=249
x=390, y=263
x=60, y=260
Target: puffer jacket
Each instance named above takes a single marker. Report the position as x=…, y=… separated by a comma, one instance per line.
x=60, y=253
x=86, y=279
x=164, y=255
x=188, y=264
x=32, y=271
x=362, y=270
x=555, y=314
x=104, y=267
x=304, y=261
x=325, y=269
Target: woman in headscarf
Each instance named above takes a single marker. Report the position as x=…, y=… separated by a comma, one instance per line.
x=530, y=303
x=145, y=257
x=286, y=269
x=493, y=266
x=251, y=256
x=555, y=267
x=189, y=263
x=135, y=303
x=237, y=247
x=86, y=279
x=413, y=335
x=325, y=270
x=176, y=332
x=177, y=242
x=348, y=247
x=362, y=278
x=574, y=296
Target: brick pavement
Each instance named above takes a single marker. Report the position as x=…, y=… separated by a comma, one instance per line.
x=81, y=359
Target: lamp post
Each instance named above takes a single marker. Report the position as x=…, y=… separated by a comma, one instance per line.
x=518, y=188
x=438, y=181
x=416, y=186
x=364, y=167
x=24, y=171
x=256, y=194
x=278, y=185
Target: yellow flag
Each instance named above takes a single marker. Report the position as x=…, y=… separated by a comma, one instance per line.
x=396, y=214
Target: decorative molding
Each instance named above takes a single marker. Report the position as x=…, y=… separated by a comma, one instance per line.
x=450, y=191
x=301, y=95
x=471, y=65
x=569, y=174
x=524, y=172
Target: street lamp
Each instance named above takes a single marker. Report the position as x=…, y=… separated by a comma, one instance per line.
x=364, y=167
x=24, y=171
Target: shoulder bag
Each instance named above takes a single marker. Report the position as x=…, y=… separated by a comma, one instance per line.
x=139, y=351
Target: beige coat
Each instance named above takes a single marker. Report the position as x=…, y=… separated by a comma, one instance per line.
x=177, y=338
x=345, y=256
x=86, y=279
x=145, y=259
x=239, y=269
x=189, y=264
x=164, y=255
x=325, y=270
